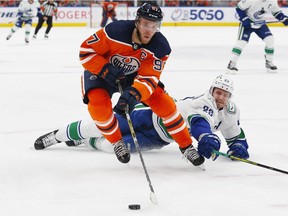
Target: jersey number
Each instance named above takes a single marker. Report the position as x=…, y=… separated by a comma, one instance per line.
x=94, y=40
x=208, y=110
x=158, y=64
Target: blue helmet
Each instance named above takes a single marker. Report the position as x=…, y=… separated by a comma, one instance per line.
x=150, y=11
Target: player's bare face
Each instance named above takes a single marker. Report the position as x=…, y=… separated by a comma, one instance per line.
x=221, y=97
x=147, y=29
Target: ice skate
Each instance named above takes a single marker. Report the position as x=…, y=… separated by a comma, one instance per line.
x=27, y=41
x=121, y=152
x=231, y=68
x=46, y=140
x=191, y=154
x=46, y=36
x=34, y=36
x=270, y=67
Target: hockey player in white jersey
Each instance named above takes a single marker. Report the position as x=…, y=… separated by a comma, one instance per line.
x=205, y=114
x=26, y=11
x=252, y=16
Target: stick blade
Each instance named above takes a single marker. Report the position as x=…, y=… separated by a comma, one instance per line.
x=153, y=198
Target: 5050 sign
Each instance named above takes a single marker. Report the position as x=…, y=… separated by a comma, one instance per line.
x=197, y=14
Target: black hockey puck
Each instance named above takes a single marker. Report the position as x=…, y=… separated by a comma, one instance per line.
x=134, y=206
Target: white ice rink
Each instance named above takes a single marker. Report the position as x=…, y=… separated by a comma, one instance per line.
x=40, y=91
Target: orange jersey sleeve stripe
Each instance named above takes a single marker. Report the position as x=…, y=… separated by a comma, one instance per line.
x=146, y=85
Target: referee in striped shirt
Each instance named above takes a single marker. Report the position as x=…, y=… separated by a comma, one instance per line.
x=48, y=8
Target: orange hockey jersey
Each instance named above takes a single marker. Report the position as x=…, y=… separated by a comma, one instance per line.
x=109, y=6
x=113, y=44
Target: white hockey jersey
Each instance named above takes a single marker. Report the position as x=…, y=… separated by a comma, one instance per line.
x=259, y=10
x=226, y=120
x=27, y=10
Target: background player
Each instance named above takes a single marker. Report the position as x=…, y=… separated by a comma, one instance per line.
x=26, y=11
x=108, y=11
x=206, y=114
x=252, y=19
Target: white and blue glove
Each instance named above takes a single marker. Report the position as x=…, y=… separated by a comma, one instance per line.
x=244, y=19
x=238, y=149
x=207, y=143
x=281, y=17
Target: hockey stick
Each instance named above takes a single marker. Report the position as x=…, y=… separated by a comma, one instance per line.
x=272, y=21
x=250, y=162
x=153, y=197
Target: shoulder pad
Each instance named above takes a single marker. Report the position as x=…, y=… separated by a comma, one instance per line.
x=120, y=30
x=159, y=45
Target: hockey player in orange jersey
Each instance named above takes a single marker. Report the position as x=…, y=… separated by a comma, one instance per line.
x=108, y=11
x=134, y=53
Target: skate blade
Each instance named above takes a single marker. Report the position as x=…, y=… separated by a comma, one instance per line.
x=202, y=167
x=231, y=72
x=271, y=71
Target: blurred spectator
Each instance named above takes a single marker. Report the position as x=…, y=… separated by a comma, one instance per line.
x=219, y=3
x=171, y=3
x=233, y=3
x=3, y=4
x=12, y=3
x=203, y=3
x=187, y=3
x=140, y=2
x=283, y=3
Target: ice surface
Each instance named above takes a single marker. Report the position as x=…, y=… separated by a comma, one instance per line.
x=40, y=91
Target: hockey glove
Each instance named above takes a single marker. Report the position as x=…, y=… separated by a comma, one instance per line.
x=111, y=73
x=246, y=22
x=208, y=143
x=283, y=18
x=238, y=150
x=128, y=99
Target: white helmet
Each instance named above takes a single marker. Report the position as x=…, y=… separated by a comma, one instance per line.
x=224, y=83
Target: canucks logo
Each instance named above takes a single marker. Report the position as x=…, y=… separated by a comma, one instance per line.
x=129, y=65
x=259, y=14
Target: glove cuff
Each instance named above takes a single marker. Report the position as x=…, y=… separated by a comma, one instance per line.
x=135, y=93
x=202, y=135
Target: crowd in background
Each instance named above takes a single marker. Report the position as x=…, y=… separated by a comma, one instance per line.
x=168, y=3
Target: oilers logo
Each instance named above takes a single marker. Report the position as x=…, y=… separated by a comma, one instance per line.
x=129, y=65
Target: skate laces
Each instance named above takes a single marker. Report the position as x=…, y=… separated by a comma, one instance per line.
x=191, y=154
x=49, y=140
x=120, y=149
